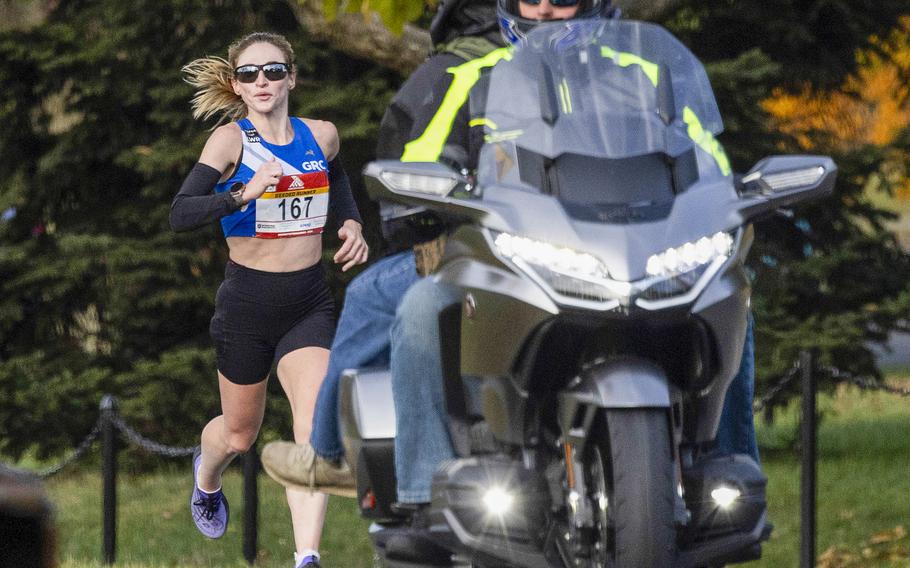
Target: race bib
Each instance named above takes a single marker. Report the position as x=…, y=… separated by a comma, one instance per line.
x=297, y=206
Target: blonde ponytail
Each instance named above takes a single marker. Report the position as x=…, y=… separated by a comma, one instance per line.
x=215, y=96
x=211, y=76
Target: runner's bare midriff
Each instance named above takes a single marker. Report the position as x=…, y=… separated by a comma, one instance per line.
x=276, y=255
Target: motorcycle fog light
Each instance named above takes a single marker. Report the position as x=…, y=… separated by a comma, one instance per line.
x=498, y=501
x=574, y=498
x=725, y=496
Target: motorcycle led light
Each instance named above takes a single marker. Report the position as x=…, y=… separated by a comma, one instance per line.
x=558, y=259
x=677, y=260
x=571, y=275
x=498, y=501
x=782, y=181
x=725, y=496
x=434, y=185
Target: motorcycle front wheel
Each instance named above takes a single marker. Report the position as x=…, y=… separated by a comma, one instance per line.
x=629, y=470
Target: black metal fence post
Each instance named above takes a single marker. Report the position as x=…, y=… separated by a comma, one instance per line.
x=109, y=477
x=808, y=442
x=250, y=505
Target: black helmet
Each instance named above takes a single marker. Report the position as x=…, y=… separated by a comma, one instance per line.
x=514, y=27
x=458, y=18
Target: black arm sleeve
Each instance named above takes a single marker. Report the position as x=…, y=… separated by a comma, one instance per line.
x=195, y=204
x=341, y=199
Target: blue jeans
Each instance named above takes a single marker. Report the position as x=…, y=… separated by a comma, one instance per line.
x=362, y=338
x=736, y=432
x=422, y=439
x=422, y=431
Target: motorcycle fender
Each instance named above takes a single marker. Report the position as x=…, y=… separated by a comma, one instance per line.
x=627, y=382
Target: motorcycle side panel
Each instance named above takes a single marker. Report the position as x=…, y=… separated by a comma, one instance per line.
x=504, y=407
x=368, y=409
x=724, y=307
x=504, y=311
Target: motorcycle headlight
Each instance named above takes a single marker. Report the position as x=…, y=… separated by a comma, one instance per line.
x=677, y=271
x=679, y=260
x=566, y=272
x=674, y=276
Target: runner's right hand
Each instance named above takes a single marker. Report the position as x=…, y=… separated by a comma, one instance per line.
x=266, y=176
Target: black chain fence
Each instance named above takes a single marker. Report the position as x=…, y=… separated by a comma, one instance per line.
x=149, y=446
x=133, y=437
x=106, y=429
x=127, y=433
x=833, y=374
x=80, y=451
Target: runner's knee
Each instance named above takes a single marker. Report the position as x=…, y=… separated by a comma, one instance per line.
x=240, y=442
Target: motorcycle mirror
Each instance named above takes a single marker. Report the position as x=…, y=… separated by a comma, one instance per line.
x=783, y=181
x=429, y=184
x=430, y=180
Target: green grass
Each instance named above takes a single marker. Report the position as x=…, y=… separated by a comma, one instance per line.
x=863, y=483
x=155, y=530
x=863, y=504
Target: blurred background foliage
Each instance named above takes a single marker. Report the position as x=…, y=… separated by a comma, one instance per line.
x=97, y=295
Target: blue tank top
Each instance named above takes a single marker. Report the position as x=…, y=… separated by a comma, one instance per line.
x=298, y=205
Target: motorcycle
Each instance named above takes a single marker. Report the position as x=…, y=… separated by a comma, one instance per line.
x=599, y=255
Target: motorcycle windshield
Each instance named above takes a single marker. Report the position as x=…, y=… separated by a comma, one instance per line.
x=612, y=117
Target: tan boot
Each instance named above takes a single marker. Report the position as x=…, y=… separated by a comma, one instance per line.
x=298, y=467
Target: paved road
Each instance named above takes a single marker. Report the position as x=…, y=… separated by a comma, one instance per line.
x=900, y=352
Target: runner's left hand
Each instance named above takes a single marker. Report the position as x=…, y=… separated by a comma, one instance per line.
x=354, y=249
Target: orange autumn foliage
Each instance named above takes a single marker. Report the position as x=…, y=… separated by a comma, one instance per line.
x=872, y=106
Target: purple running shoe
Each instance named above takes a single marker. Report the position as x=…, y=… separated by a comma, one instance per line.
x=309, y=561
x=210, y=510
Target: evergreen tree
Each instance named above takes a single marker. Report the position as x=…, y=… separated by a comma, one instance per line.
x=831, y=277
x=97, y=294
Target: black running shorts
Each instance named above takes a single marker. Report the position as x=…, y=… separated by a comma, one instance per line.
x=262, y=316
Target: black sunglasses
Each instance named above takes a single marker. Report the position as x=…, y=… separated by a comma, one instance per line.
x=273, y=72
x=557, y=3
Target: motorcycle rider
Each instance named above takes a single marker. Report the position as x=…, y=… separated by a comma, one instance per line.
x=422, y=439
x=461, y=31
